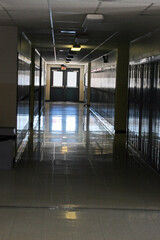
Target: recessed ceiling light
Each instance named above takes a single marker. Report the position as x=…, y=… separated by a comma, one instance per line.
x=61, y=50
x=68, y=31
x=76, y=48
x=94, y=17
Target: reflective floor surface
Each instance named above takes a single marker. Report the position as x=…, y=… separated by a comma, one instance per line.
x=77, y=181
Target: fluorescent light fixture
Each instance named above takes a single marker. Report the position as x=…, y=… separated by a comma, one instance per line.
x=68, y=31
x=76, y=48
x=94, y=17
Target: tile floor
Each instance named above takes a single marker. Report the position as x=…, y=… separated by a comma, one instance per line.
x=76, y=181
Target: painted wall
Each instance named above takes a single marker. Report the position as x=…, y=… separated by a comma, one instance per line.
x=103, y=84
x=81, y=89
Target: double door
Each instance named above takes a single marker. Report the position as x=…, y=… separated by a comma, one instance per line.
x=64, y=84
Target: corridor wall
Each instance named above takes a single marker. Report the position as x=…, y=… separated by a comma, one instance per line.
x=103, y=85
x=24, y=86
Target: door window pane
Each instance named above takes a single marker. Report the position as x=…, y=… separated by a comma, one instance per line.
x=72, y=79
x=57, y=78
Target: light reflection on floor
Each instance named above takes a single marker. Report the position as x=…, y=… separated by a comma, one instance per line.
x=76, y=181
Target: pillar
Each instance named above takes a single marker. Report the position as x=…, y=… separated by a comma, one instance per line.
x=32, y=88
x=121, y=98
x=89, y=84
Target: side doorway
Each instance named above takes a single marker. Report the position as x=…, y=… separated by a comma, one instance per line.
x=64, y=84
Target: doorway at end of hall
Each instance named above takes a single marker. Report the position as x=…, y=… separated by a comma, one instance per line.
x=64, y=84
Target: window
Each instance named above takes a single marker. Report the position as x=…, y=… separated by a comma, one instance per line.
x=72, y=79
x=57, y=78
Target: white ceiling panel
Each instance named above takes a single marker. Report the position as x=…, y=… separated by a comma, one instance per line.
x=24, y=4
x=137, y=1
x=123, y=8
x=72, y=17
x=112, y=1
x=31, y=18
x=73, y=6
x=31, y=15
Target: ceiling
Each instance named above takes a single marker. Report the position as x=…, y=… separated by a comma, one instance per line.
x=42, y=21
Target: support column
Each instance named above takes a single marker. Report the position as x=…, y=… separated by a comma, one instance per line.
x=89, y=84
x=32, y=88
x=121, y=99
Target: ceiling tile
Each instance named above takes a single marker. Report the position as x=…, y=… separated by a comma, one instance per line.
x=24, y=4
x=71, y=6
x=121, y=8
